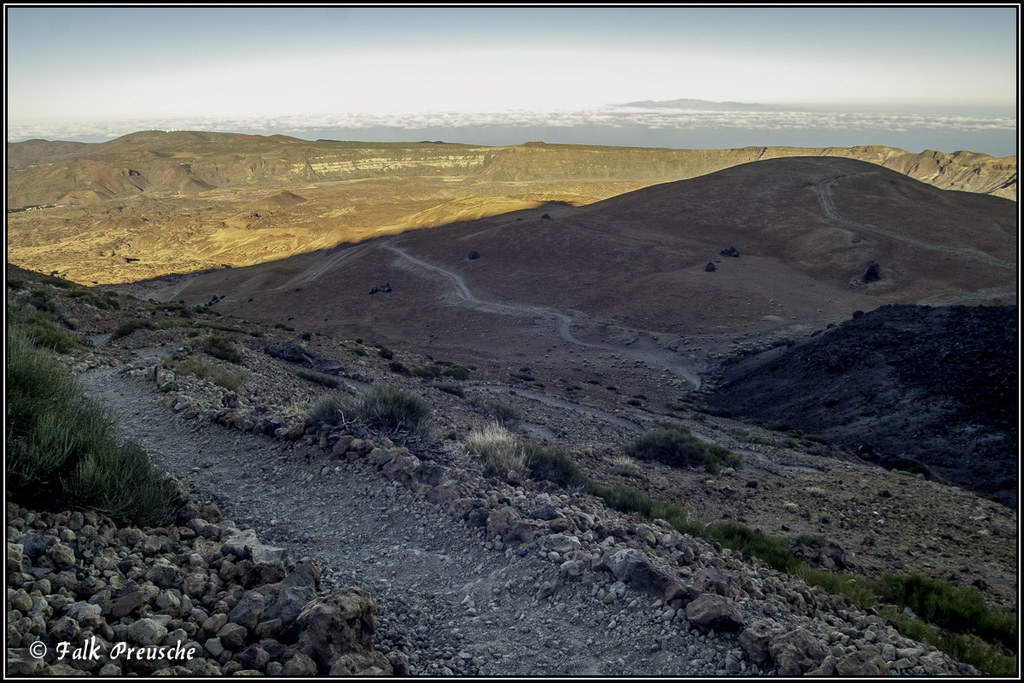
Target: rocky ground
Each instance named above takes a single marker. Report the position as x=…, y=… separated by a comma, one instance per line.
x=917, y=388
x=479, y=576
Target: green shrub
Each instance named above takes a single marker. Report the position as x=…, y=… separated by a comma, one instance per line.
x=129, y=326
x=504, y=414
x=327, y=410
x=398, y=368
x=222, y=347
x=457, y=372
x=318, y=378
x=57, y=282
x=390, y=409
x=232, y=380
x=677, y=447
x=452, y=389
x=42, y=330
x=554, y=466
x=62, y=447
x=500, y=452
x=429, y=372
x=39, y=300
x=951, y=607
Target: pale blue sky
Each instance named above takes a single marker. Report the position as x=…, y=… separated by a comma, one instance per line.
x=102, y=64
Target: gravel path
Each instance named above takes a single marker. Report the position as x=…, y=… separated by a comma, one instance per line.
x=447, y=598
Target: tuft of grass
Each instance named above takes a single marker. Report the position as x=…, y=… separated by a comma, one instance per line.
x=129, y=326
x=951, y=607
x=44, y=333
x=453, y=389
x=554, y=466
x=230, y=379
x=318, y=378
x=223, y=347
x=428, y=372
x=626, y=466
x=390, y=409
x=457, y=372
x=62, y=447
x=500, y=452
x=327, y=410
x=677, y=447
x=504, y=414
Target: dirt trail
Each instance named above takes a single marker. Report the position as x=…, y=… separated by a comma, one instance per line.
x=462, y=606
x=660, y=357
x=828, y=205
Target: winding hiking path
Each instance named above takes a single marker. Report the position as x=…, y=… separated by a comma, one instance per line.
x=829, y=207
x=462, y=605
x=660, y=357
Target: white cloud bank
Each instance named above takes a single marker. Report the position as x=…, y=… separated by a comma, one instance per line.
x=619, y=117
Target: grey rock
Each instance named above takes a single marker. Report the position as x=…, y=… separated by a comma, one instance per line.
x=797, y=652
x=147, y=632
x=711, y=611
x=244, y=544
x=248, y=610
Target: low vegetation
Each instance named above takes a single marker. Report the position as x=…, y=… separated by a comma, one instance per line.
x=504, y=414
x=326, y=410
x=38, y=324
x=394, y=411
x=223, y=347
x=62, y=447
x=229, y=378
x=317, y=378
x=674, y=445
x=963, y=626
x=499, y=451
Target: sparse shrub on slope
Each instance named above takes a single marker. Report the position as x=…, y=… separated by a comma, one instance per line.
x=503, y=413
x=44, y=332
x=129, y=326
x=553, y=466
x=223, y=347
x=62, y=447
x=390, y=409
x=327, y=410
x=232, y=380
x=677, y=447
x=498, y=449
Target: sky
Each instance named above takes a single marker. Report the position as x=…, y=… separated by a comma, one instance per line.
x=933, y=77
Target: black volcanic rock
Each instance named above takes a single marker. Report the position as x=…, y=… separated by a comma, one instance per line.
x=710, y=267
x=730, y=252
x=872, y=272
x=293, y=353
x=929, y=390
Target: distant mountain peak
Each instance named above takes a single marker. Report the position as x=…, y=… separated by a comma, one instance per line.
x=700, y=105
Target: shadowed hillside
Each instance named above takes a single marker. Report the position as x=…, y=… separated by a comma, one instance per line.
x=628, y=277
x=153, y=203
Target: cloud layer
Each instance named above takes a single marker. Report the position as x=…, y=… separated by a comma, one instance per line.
x=622, y=118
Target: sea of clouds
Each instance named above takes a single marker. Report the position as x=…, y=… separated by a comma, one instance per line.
x=628, y=125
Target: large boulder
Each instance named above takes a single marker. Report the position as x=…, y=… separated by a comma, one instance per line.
x=797, y=652
x=755, y=639
x=715, y=612
x=339, y=629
